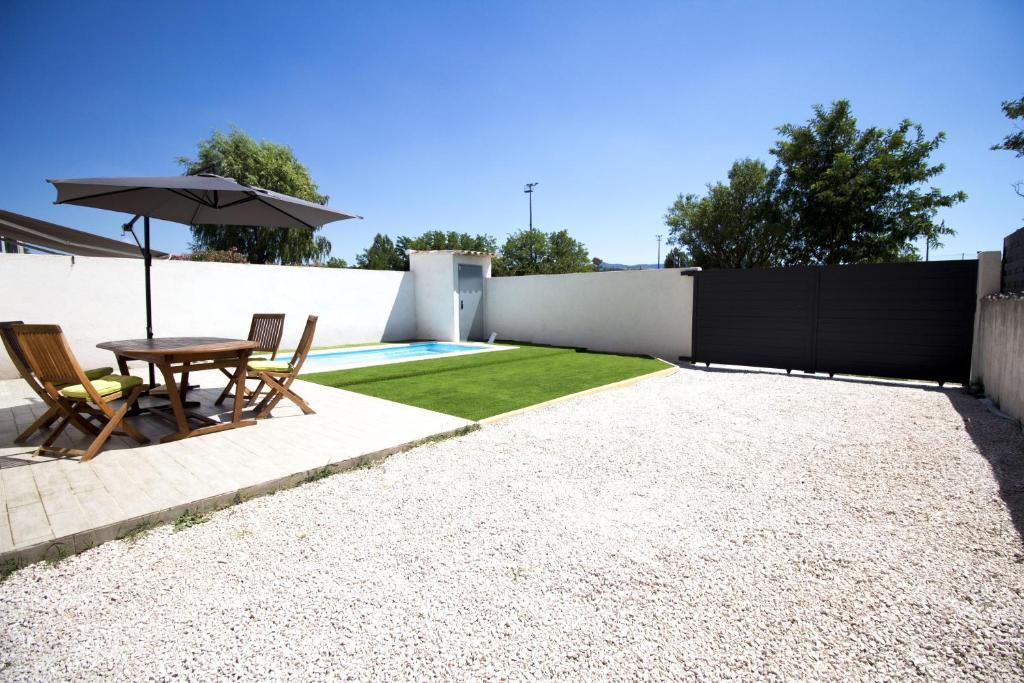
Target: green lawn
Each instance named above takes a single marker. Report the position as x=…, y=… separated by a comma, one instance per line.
x=486, y=384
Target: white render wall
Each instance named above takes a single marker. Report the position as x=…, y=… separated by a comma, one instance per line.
x=102, y=299
x=632, y=311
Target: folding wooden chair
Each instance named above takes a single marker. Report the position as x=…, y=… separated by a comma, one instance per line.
x=278, y=375
x=70, y=390
x=17, y=356
x=266, y=330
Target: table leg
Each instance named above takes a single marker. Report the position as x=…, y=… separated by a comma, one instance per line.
x=240, y=372
x=122, y=365
x=180, y=420
x=183, y=390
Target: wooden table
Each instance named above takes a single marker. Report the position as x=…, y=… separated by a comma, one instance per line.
x=184, y=355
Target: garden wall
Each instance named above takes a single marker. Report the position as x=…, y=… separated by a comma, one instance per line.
x=1001, y=369
x=632, y=311
x=101, y=299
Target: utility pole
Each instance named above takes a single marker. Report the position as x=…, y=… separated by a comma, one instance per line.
x=659, y=251
x=528, y=189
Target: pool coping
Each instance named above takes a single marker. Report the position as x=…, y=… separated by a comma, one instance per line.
x=483, y=347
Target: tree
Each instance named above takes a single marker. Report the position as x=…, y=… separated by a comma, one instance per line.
x=381, y=255
x=272, y=167
x=735, y=225
x=851, y=196
x=1014, y=142
x=335, y=262
x=530, y=252
x=677, y=258
x=438, y=239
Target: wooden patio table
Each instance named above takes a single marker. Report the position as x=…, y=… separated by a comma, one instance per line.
x=184, y=355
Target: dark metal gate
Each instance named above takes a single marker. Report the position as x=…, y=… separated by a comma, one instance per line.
x=906, y=320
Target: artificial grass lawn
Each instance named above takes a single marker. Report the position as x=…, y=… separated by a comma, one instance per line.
x=486, y=384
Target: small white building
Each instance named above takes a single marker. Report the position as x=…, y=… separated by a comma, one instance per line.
x=449, y=288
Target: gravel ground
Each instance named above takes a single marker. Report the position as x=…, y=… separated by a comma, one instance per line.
x=708, y=525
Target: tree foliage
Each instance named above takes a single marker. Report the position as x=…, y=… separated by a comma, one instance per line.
x=1013, y=142
x=335, y=262
x=853, y=196
x=837, y=194
x=439, y=239
x=677, y=258
x=272, y=167
x=531, y=252
x=735, y=225
x=382, y=255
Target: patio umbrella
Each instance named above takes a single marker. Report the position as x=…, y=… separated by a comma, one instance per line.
x=192, y=200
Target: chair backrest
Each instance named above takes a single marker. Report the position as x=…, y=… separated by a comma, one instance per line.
x=266, y=330
x=14, y=349
x=305, y=342
x=49, y=356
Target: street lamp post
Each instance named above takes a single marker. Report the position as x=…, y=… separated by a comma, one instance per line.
x=659, y=251
x=528, y=189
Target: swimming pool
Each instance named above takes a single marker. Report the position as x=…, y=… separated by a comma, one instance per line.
x=337, y=359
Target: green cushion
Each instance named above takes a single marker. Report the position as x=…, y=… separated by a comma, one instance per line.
x=270, y=366
x=98, y=373
x=104, y=386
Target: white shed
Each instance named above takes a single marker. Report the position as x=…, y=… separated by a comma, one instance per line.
x=449, y=288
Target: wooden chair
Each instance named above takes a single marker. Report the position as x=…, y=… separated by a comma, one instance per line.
x=279, y=375
x=266, y=330
x=20, y=362
x=69, y=389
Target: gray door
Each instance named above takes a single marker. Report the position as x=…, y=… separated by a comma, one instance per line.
x=471, y=292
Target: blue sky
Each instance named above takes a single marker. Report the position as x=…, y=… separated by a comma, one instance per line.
x=433, y=115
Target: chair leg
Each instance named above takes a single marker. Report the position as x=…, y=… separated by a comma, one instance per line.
x=255, y=394
x=108, y=429
x=41, y=422
x=278, y=391
x=61, y=426
x=127, y=428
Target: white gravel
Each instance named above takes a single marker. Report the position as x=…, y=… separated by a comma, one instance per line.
x=708, y=525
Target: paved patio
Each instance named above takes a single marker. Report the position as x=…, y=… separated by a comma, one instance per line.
x=52, y=507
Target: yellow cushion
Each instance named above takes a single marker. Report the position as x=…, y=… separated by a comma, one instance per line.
x=104, y=386
x=270, y=366
x=98, y=373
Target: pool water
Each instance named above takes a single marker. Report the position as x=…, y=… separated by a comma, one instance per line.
x=334, y=359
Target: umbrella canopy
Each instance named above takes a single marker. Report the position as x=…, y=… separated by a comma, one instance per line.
x=195, y=200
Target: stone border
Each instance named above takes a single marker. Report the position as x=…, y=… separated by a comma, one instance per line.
x=66, y=546
x=671, y=370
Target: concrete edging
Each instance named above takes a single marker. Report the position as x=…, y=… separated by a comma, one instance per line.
x=671, y=370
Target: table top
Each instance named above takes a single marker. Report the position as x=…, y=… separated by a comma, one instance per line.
x=176, y=346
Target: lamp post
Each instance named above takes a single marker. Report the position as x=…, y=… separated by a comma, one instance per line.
x=659, y=251
x=528, y=189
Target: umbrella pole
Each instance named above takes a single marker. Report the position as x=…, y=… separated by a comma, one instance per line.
x=147, y=257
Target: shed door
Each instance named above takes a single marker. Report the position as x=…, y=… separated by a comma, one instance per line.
x=471, y=291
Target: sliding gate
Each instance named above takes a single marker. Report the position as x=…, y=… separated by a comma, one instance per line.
x=906, y=320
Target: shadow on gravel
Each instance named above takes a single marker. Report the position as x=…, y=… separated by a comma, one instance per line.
x=1001, y=442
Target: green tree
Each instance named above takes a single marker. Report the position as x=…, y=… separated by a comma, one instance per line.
x=381, y=255
x=272, y=167
x=1014, y=142
x=735, y=225
x=335, y=262
x=677, y=258
x=851, y=195
x=439, y=239
x=531, y=252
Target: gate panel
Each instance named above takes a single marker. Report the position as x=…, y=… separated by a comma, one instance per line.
x=908, y=320
x=758, y=316
x=904, y=320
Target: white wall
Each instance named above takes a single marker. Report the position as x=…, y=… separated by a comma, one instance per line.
x=990, y=281
x=101, y=299
x=633, y=311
